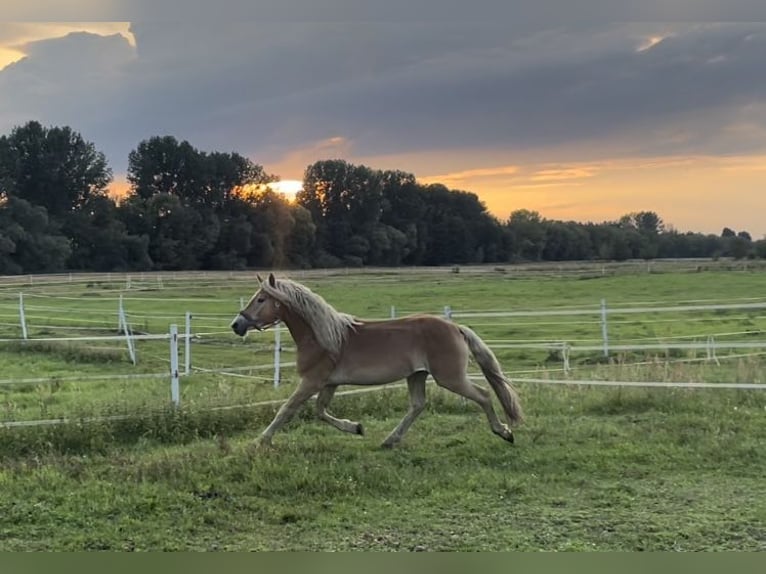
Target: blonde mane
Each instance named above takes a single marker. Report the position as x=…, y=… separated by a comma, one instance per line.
x=329, y=326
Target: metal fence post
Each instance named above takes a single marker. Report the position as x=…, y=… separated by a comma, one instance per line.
x=448, y=312
x=187, y=344
x=126, y=329
x=22, y=316
x=711, y=350
x=175, y=391
x=277, y=353
x=393, y=312
x=604, y=330
x=119, y=315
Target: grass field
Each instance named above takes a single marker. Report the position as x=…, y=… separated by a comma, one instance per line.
x=592, y=469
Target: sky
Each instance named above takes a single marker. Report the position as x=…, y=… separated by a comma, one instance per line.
x=581, y=121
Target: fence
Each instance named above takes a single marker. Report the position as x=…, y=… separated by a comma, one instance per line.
x=198, y=327
x=602, y=312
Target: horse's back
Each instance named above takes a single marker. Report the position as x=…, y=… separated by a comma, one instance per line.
x=392, y=349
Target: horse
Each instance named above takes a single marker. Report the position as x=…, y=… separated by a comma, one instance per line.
x=335, y=348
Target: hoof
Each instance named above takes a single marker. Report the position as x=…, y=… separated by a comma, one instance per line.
x=387, y=445
x=262, y=444
x=359, y=429
x=505, y=433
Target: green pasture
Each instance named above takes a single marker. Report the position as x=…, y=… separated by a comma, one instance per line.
x=65, y=373
x=593, y=468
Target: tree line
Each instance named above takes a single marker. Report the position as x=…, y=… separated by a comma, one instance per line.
x=190, y=209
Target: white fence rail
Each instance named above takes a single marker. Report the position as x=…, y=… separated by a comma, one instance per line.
x=600, y=312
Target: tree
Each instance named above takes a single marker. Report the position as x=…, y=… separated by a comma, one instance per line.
x=403, y=210
x=179, y=236
x=300, y=243
x=744, y=235
x=566, y=241
x=345, y=202
x=738, y=247
x=163, y=165
x=647, y=222
x=527, y=235
x=100, y=240
x=200, y=209
x=51, y=167
x=29, y=241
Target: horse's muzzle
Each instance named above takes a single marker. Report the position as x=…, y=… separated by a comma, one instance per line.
x=239, y=325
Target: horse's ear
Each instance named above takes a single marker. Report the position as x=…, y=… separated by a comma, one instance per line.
x=260, y=280
x=272, y=280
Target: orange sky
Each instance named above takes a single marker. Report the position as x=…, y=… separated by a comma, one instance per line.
x=691, y=193
x=696, y=193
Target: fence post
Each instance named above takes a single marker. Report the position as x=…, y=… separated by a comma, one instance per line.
x=175, y=394
x=119, y=315
x=604, y=330
x=125, y=329
x=565, y=356
x=187, y=344
x=393, y=312
x=448, y=312
x=711, y=350
x=277, y=353
x=22, y=316
x=241, y=303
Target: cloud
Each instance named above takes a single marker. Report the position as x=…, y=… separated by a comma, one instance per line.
x=73, y=80
x=16, y=37
x=564, y=173
x=456, y=179
x=267, y=89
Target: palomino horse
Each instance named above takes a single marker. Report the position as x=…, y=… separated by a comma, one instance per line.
x=336, y=349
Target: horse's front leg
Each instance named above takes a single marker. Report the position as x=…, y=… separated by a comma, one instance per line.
x=306, y=389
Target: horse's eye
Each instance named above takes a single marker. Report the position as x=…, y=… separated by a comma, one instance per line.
x=261, y=299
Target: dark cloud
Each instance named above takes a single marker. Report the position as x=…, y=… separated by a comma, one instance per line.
x=264, y=88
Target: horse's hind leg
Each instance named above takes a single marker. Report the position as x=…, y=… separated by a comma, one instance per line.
x=416, y=384
x=323, y=400
x=462, y=386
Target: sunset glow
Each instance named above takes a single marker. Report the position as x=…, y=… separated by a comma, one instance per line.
x=13, y=46
x=691, y=193
x=287, y=187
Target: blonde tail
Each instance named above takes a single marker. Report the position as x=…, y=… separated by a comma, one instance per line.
x=503, y=388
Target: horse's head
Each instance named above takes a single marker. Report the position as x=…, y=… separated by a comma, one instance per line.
x=261, y=312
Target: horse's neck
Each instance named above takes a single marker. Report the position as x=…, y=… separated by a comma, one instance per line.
x=311, y=359
x=300, y=331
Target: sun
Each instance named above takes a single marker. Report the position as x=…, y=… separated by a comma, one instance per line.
x=287, y=187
